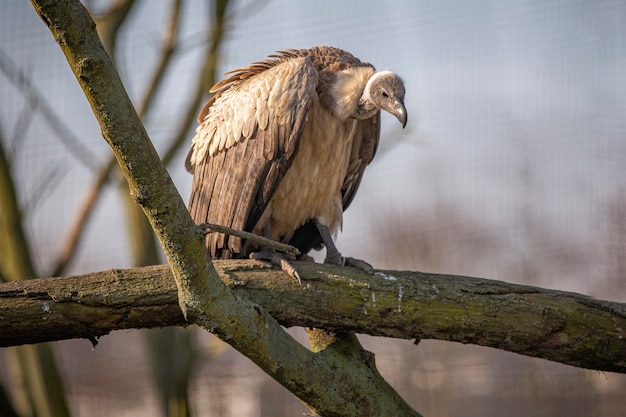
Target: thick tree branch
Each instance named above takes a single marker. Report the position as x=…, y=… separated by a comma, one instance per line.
x=555, y=325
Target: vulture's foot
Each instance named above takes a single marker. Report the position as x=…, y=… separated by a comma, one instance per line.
x=359, y=264
x=336, y=259
x=277, y=259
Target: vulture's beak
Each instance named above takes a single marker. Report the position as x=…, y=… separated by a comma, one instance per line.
x=400, y=112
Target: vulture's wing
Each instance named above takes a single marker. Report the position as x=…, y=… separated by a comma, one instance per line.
x=364, y=148
x=247, y=139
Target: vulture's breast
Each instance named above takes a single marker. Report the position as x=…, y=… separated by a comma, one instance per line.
x=311, y=187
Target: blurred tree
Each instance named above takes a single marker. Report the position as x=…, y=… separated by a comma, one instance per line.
x=37, y=386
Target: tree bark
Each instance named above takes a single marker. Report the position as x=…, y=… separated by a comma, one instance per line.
x=559, y=326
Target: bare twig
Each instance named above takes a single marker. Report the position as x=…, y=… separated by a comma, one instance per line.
x=23, y=122
x=260, y=240
x=44, y=188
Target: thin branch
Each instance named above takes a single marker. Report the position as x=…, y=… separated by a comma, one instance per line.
x=259, y=240
x=24, y=121
x=44, y=188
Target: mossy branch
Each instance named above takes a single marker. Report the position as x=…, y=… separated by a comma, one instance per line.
x=564, y=327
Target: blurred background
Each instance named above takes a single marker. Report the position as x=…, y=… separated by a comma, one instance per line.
x=511, y=168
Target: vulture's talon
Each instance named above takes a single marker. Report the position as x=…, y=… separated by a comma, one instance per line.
x=277, y=259
x=286, y=266
x=359, y=264
x=335, y=259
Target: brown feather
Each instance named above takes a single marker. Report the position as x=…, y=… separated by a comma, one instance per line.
x=270, y=153
x=237, y=161
x=363, y=150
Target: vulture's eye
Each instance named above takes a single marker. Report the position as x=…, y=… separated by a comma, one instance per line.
x=385, y=94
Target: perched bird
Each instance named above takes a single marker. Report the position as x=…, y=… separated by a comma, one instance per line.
x=281, y=149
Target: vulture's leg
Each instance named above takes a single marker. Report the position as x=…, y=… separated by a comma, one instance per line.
x=333, y=256
x=277, y=259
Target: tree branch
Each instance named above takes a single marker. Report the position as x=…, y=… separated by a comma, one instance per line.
x=559, y=326
x=251, y=237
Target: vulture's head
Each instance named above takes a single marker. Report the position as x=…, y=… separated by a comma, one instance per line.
x=386, y=91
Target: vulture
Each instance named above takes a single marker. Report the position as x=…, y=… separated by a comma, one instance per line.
x=281, y=148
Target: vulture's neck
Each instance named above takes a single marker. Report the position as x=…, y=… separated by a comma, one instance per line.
x=366, y=106
x=349, y=93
